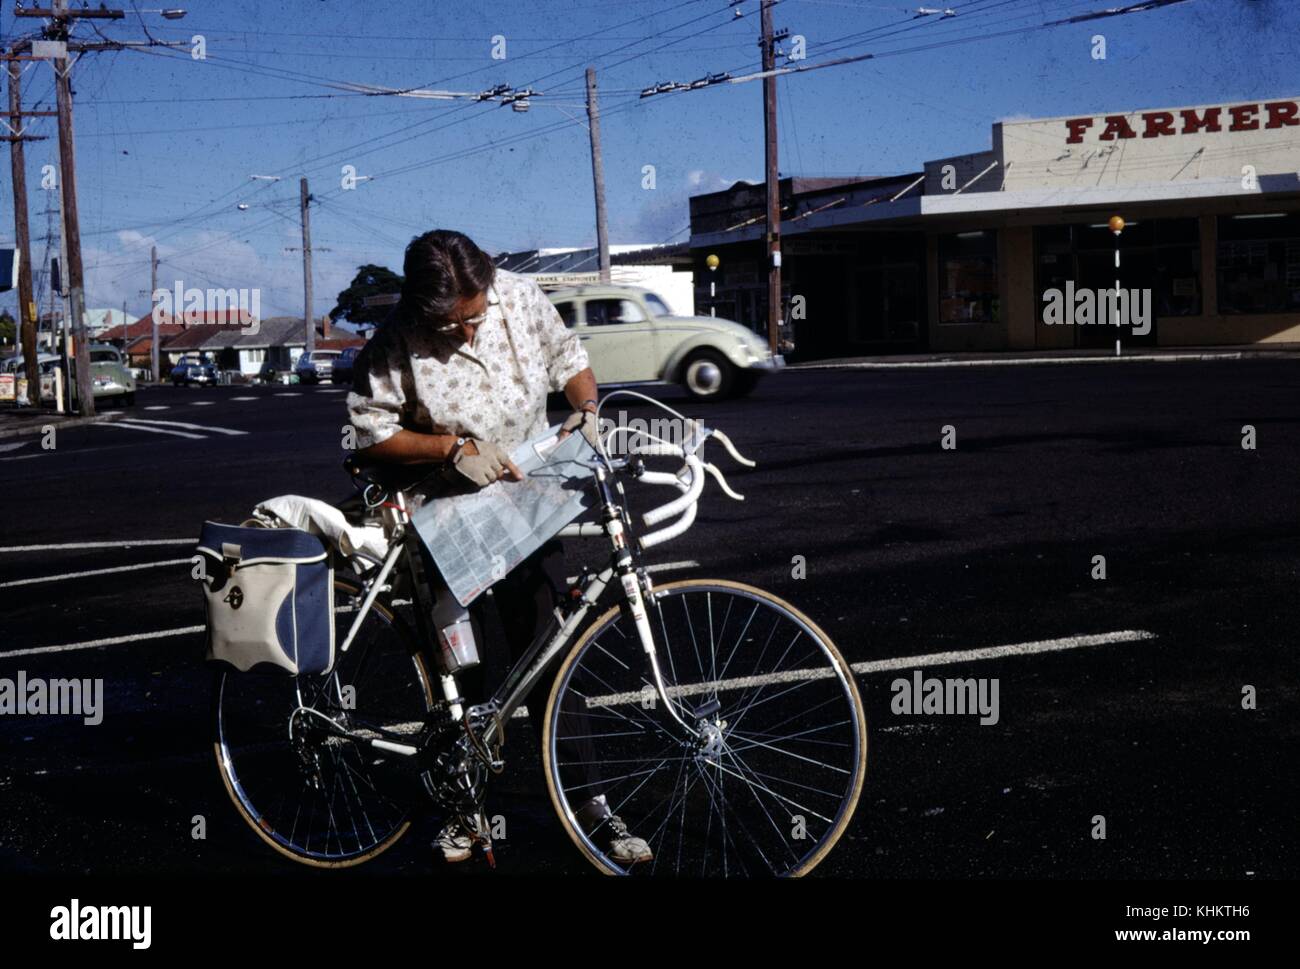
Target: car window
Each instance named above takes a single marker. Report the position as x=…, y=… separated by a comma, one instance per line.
x=568, y=312
x=657, y=306
x=103, y=356
x=603, y=311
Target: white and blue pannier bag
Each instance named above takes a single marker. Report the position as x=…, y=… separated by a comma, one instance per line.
x=269, y=595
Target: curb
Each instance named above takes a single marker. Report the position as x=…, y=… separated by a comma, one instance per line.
x=37, y=427
x=1045, y=361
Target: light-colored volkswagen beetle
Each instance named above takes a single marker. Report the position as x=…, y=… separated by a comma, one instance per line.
x=632, y=337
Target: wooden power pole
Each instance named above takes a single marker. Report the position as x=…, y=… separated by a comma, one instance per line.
x=305, y=198
x=772, y=238
x=598, y=175
x=22, y=230
x=155, y=356
x=61, y=17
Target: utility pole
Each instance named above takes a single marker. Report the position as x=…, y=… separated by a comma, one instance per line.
x=598, y=175
x=154, y=356
x=772, y=238
x=61, y=17
x=306, y=267
x=22, y=230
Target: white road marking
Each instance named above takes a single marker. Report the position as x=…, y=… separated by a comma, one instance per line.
x=13, y=447
x=191, y=427
x=288, y=395
x=79, y=545
x=160, y=407
x=201, y=403
x=1021, y=361
x=80, y=575
x=881, y=665
x=112, y=641
x=152, y=430
x=243, y=398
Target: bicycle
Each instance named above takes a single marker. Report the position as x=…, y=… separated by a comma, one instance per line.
x=718, y=721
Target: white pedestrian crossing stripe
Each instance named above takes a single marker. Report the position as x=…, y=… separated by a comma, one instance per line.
x=169, y=427
x=159, y=407
x=243, y=398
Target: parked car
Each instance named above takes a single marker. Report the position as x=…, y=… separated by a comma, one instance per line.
x=316, y=366
x=110, y=380
x=632, y=337
x=109, y=376
x=191, y=370
x=342, y=372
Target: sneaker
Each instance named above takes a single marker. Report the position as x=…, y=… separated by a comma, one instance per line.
x=624, y=847
x=454, y=842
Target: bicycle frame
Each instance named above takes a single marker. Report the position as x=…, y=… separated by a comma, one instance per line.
x=524, y=675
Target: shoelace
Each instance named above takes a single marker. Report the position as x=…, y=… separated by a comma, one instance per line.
x=619, y=828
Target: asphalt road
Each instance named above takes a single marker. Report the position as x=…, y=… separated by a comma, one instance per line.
x=910, y=549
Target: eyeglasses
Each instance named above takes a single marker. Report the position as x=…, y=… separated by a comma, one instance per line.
x=453, y=325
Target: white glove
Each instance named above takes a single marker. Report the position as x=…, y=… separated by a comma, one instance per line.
x=489, y=464
x=584, y=421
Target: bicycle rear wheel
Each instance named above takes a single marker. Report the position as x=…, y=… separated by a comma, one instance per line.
x=772, y=782
x=320, y=800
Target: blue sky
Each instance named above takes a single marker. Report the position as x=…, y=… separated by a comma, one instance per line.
x=166, y=144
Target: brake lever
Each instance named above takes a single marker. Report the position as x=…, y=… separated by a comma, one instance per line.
x=722, y=482
x=731, y=449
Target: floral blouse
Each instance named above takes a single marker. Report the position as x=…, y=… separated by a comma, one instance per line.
x=408, y=376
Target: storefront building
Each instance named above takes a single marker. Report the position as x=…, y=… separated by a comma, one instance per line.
x=959, y=255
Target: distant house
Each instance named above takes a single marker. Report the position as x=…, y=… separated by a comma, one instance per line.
x=232, y=339
x=666, y=269
x=100, y=320
x=278, y=340
x=135, y=340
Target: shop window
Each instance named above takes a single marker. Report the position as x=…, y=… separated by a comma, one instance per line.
x=968, y=278
x=1258, y=263
x=1162, y=255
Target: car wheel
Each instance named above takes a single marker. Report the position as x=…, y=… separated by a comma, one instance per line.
x=708, y=375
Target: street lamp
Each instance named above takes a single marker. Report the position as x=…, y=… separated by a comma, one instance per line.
x=712, y=262
x=1116, y=224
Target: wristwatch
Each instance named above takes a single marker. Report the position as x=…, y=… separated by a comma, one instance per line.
x=455, y=449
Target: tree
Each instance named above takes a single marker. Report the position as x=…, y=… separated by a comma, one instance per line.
x=370, y=280
x=8, y=328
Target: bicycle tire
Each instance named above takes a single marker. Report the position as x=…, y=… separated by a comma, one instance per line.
x=840, y=668
x=254, y=817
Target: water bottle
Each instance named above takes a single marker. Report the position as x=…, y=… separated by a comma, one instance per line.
x=457, y=649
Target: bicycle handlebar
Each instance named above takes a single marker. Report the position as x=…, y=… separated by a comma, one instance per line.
x=689, y=479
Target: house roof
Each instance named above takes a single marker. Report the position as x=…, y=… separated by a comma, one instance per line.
x=274, y=331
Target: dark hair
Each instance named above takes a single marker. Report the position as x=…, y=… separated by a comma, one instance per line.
x=442, y=267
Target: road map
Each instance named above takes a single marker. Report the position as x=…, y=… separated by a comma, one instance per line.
x=476, y=539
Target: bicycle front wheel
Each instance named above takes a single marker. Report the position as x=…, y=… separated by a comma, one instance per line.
x=766, y=781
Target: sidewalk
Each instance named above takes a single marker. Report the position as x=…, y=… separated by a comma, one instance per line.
x=31, y=421
x=1003, y=358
